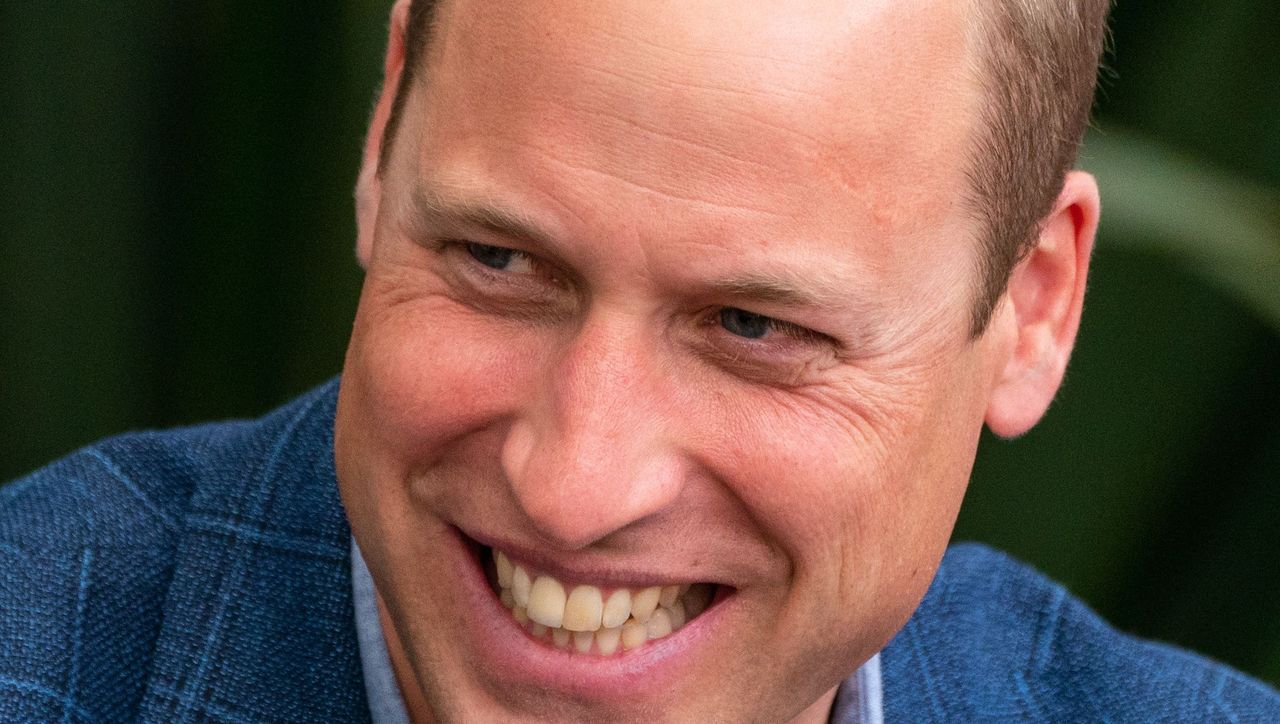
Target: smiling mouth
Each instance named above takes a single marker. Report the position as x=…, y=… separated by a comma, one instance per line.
x=589, y=619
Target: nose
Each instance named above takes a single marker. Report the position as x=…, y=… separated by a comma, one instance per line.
x=593, y=452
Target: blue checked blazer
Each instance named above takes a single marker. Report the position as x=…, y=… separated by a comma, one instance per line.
x=204, y=575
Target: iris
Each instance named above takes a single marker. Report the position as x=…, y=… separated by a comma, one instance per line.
x=495, y=257
x=744, y=323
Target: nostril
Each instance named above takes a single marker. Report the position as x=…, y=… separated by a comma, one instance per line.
x=518, y=449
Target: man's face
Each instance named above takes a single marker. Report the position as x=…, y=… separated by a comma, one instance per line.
x=669, y=294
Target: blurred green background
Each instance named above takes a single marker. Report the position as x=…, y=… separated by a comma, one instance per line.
x=177, y=237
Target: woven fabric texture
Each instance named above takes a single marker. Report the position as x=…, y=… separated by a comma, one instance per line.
x=995, y=641
x=192, y=575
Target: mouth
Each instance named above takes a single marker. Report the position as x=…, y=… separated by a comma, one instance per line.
x=601, y=620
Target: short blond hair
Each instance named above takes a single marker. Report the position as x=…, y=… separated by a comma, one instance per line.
x=1038, y=67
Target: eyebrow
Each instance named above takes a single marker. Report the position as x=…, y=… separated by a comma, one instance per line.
x=429, y=204
x=770, y=289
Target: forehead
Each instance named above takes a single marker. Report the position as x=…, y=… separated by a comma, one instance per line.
x=808, y=115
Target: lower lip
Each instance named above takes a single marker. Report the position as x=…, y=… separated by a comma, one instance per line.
x=511, y=656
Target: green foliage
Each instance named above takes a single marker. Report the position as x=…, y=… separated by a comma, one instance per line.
x=1218, y=226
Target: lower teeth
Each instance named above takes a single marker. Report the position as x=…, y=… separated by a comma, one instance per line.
x=606, y=641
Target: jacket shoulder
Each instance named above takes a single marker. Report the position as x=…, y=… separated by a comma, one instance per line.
x=87, y=549
x=994, y=640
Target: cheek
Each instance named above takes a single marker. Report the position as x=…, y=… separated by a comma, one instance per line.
x=429, y=371
x=862, y=481
x=812, y=468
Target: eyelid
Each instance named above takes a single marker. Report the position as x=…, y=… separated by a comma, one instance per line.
x=792, y=330
x=549, y=273
x=797, y=331
x=777, y=358
x=788, y=364
x=528, y=258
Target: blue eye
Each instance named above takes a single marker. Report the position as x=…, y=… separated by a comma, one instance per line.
x=494, y=257
x=744, y=323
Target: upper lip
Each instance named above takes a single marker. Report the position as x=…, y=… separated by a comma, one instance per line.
x=608, y=574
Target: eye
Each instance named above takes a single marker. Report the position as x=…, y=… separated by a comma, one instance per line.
x=500, y=258
x=745, y=324
x=762, y=348
x=775, y=333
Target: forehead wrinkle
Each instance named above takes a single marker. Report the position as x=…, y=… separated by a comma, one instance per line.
x=675, y=104
x=652, y=190
x=649, y=128
x=598, y=73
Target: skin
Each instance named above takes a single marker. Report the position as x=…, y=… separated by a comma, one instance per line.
x=587, y=402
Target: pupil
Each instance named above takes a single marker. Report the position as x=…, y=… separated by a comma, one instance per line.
x=744, y=323
x=491, y=256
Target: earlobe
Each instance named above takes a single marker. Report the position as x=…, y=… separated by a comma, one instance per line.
x=1043, y=304
x=368, y=192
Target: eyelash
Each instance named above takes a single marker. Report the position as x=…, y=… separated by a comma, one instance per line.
x=793, y=333
x=446, y=247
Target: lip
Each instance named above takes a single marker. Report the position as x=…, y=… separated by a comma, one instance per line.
x=608, y=577
x=508, y=654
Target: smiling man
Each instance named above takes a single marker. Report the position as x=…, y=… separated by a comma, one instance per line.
x=676, y=304
x=676, y=296
x=679, y=326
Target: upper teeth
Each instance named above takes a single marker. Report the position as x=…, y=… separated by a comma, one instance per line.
x=587, y=615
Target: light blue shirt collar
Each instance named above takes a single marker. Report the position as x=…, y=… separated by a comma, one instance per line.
x=386, y=705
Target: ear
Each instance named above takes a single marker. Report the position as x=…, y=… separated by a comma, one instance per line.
x=1042, y=309
x=369, y=183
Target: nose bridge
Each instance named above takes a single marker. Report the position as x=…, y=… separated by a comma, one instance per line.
x=596, y=379
x=594, y=456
